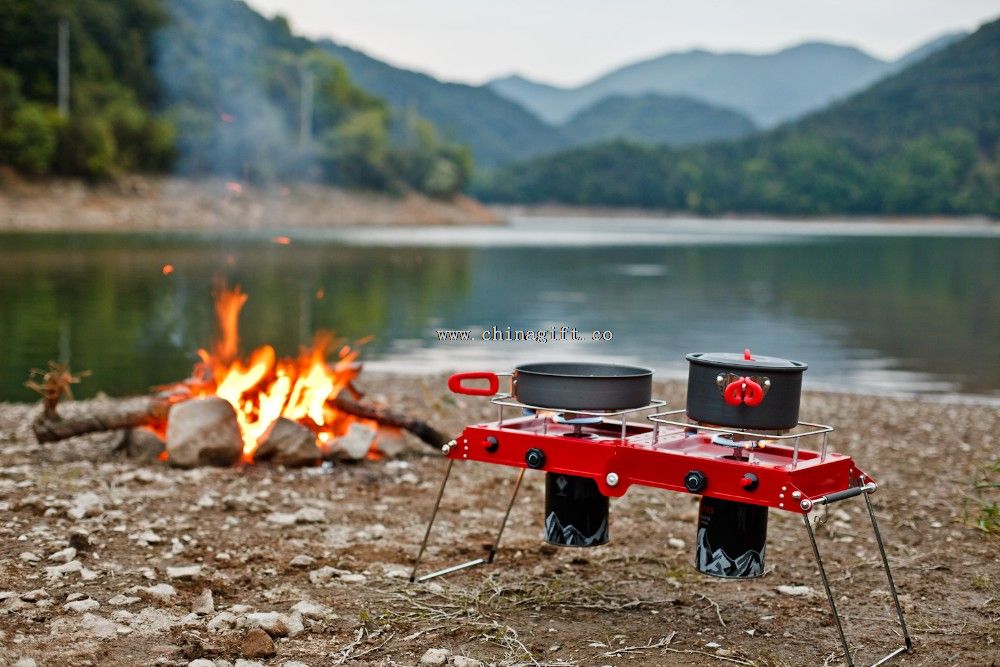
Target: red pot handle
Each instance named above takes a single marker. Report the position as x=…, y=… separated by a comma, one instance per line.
x=753, y=394
x=456, y=386
x=733, y=393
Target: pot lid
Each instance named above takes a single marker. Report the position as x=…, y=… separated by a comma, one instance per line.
x=745, y=360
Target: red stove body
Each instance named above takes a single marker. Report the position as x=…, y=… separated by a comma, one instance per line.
x=688, y=459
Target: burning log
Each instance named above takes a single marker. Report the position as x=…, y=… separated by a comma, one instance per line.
x=50, y=426
x=387, y=417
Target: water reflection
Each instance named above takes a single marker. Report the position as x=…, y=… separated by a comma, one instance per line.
x=868, y=312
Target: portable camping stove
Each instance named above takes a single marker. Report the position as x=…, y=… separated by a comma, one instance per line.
x=590, y=456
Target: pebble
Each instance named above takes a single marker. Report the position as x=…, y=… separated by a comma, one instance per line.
x=309, y=609
x=434, y=657
x=184, y=572
x=352, y=578
x=64, y=555
x=29, y=557
x=98, y=626
x=247, y=663
x=223, y=621
x=324, y=575
x=204, y=604
x=302, y=560
x=270, y=621
x=294, y=663
x=84, y=505
x=463, y=661
x=35, y=595
x=78, y=606
x=257, y=644
x=161, y=592
x=201, y=662
x=796, y=590
x=675, y=542
x=122, y=600
x=25, y=662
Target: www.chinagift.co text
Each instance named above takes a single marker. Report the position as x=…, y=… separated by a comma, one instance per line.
x=511, y=334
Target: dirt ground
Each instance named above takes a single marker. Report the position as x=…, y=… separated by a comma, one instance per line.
x=329, y=550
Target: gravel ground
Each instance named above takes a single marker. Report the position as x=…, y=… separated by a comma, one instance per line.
x=107, y=561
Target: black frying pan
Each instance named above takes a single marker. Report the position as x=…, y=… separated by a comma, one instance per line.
x=568, y=385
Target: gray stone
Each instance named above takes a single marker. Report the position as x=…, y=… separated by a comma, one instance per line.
x=203, y=431
x=98, y=626
x=84, y=505
x=310, y=609
x=184, y=572
x=161, y=592
x=353, y=445
x=463, y=661
x=88, y=604
x=223, y=621
x=204, y=604
x=289, y=444
x=143, y=445
x=257, y=644
x=435, y=657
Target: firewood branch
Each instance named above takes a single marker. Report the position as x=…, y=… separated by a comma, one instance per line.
x=387, y=417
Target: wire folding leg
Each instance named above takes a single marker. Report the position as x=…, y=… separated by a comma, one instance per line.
x=488, y=558
x=907, y=642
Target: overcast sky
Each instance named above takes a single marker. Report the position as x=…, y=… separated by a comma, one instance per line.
x=571, y=41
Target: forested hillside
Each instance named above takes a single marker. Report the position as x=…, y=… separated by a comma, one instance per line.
x=203, y=87
x=923, y=141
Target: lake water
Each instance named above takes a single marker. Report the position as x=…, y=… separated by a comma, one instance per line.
x=871, y=307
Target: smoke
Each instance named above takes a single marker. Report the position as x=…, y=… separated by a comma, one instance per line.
x=230, y=91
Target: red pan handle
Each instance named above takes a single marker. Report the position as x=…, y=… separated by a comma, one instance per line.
x=456, y=386
x=753, y=394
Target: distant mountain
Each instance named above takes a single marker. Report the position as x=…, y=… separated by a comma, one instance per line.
x=655, y=119
x=923, y=141
x=933, y=46
x=770, y=88
x=496, y=129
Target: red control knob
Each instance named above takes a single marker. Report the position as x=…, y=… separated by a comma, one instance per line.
x=749, y=481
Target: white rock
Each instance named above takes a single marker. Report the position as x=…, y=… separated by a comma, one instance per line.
x=25, y=662
x=64, y=555
x=241, y=608
x=434, y=657
x=294, y=624
x=84, y=505
x=35, y=595
x=57, y=571
x=397, y=572
x=352, y=578
x=29, y=557
x=675, y=542
x=270, y=622
x=98, y=626
x=248, y=663
x=224, y=621
x=281, y=518
x=463, y=661
x=148, y=537
x=204, y=604
x=310, y=515
x=302, y=560
x=184, y=572
x=294, y=663
x=288, y=443
x=323, y=575
x=796, y=590
x=201, y=662
x=203, y=431
x=354, y=444
x=161, y=592
x=122, y=600
x=310, y=609
x=80, y=606
x=206, y=501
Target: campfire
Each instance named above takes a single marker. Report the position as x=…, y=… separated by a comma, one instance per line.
x=286, y=410
x=265, y=388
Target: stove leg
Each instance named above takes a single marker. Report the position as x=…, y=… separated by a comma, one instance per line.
x=907, y=642
x=829, y=594
x=506, y=515
x=430, y=524
x=472, y=563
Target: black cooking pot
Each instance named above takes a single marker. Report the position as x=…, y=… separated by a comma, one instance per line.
x=744, y=391
x=569, y=385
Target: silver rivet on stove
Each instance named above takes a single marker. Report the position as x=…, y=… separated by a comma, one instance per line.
x=780, y=505
x=796, y=494
x=612, y=479
x=806, y=504
x=784, y=488
x=781, y=495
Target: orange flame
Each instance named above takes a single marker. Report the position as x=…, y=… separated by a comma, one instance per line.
x=265, y=387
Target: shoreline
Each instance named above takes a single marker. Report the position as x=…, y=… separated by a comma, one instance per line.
x=167, y=204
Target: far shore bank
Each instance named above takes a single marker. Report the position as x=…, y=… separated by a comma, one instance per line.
x=507, y=211
x=173, y=204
